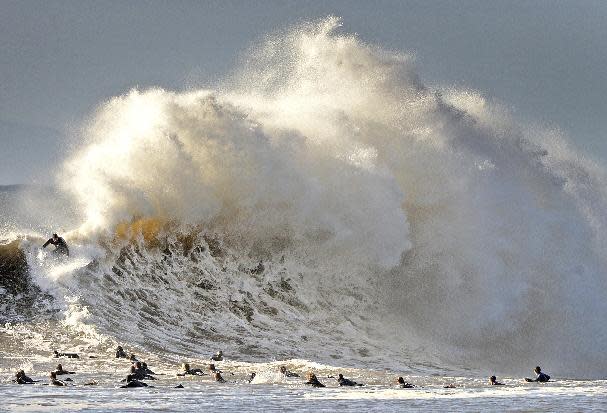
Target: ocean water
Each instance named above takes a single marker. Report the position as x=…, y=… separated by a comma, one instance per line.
x=321, y=208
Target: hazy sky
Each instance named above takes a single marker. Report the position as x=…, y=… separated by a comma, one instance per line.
x=547, y=60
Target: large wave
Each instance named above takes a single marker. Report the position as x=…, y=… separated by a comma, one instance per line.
x=387, y=215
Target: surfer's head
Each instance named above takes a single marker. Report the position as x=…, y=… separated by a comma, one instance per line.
x=59, y=367
x=185, y=366
x=341, y=376
x=537, y=369
x=55, y=236
x=283, y=369
x=400, y=380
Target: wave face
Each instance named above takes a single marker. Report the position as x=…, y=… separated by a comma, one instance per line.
x=396, y=223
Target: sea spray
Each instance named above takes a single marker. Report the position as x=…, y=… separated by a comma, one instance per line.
x=337, y=208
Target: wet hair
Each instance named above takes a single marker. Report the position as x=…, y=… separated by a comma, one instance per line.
x=55, y=235
x=119, y=348
x=492, y=379
x=133, y=368
x=211, y=366
x=185, y=366
x=400, y=380
x=283, y=369
x=59, y=367
x=341, y=376
x=138, y=365
x=53, y=375
x=538, y=369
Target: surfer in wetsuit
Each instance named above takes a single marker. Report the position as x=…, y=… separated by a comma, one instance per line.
x=187, y=370
x=60, y=370
x=346, y=382
x=59, y=243
x=120, y=353
x=541, y=377
x=21, y=378
x=403, y=384
x=287, y=373
x=493, y=381
x=140, y=373
x=313, y=380
x=54, y=381
x=132, y=381
x=218, y=377
x=68, y=355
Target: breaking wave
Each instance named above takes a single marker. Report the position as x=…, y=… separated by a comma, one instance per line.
x=325, y=203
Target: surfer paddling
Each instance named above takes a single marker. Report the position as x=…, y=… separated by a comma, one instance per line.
x=541, y=376
x=60, y=245
x=493, y=381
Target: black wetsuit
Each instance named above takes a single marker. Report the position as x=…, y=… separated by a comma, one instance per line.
x=345, y=382
x=68, y=355
x=55, y=382
x=315, y=383
x=140, y=374
x=193, y=372
x=60, y=245
x=134, y=383
x=542, y=377
x=24, y=380
x=60, y=372
x=120, y=354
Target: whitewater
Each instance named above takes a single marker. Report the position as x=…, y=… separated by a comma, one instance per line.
x=320, y=208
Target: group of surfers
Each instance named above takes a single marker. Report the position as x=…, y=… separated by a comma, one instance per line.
x=139, y=373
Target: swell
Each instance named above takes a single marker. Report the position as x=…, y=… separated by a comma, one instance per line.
x=389, y=216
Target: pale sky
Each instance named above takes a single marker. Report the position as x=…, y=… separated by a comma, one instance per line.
x=546, y=60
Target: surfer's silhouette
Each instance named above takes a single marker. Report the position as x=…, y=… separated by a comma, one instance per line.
x=60, y=245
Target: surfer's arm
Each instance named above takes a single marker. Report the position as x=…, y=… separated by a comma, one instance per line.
x=47, y=242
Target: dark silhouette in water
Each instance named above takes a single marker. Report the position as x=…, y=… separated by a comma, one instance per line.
x=493, y=381
x=60, y=370
x=132, y=381
x=68, y=355
x=403, y=384
x=346, y=382
x=189, y=371
x=541, y=377
x=21, y=378
x=313, y=380
x=54, y=381
x=59, y=243
x=120, y=353
x=287, y=373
